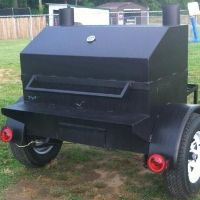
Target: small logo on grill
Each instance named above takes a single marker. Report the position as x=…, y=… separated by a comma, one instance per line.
x=91, y=38
x=79, y=105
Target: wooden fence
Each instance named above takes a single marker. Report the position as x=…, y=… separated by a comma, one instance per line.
x=21, y=27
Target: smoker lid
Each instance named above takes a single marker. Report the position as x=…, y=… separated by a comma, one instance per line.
x=98, y=41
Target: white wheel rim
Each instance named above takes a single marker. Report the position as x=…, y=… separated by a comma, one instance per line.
x=194, y=159
x=42, y=150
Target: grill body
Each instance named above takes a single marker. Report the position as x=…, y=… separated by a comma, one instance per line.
x=101, y=86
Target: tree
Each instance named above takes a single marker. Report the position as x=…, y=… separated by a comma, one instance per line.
x=15, y=4
x=38, y=4
x=8, y=3
x=88, y=3
x=40, y=7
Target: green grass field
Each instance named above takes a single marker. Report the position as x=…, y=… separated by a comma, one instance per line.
x=79, y=172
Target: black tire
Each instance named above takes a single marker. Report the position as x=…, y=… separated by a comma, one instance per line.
x=177, y=179
x=30, y=158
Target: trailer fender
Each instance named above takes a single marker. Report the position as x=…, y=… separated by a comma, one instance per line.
x=18, y=129
x=169, y=127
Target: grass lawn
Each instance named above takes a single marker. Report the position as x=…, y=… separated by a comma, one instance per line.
x=79, y=172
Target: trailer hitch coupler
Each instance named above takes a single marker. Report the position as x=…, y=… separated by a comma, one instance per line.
x=157, y=163
x=6, y=134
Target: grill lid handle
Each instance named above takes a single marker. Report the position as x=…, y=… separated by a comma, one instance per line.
x=76, y=86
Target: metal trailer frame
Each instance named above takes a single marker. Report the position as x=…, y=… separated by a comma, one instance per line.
x=61, y=107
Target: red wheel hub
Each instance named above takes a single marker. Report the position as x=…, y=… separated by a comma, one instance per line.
x=6, y=134
x=157, y=163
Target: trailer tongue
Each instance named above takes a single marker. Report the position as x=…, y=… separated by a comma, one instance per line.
x=120, y=87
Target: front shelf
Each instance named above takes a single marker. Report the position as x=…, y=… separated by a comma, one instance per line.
x=25, y=110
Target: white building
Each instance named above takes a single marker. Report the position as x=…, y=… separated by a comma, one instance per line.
x=84, y=16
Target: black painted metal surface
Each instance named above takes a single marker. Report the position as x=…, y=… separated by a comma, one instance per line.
x=100, y=85
x=171, y=15
x=66, y=17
